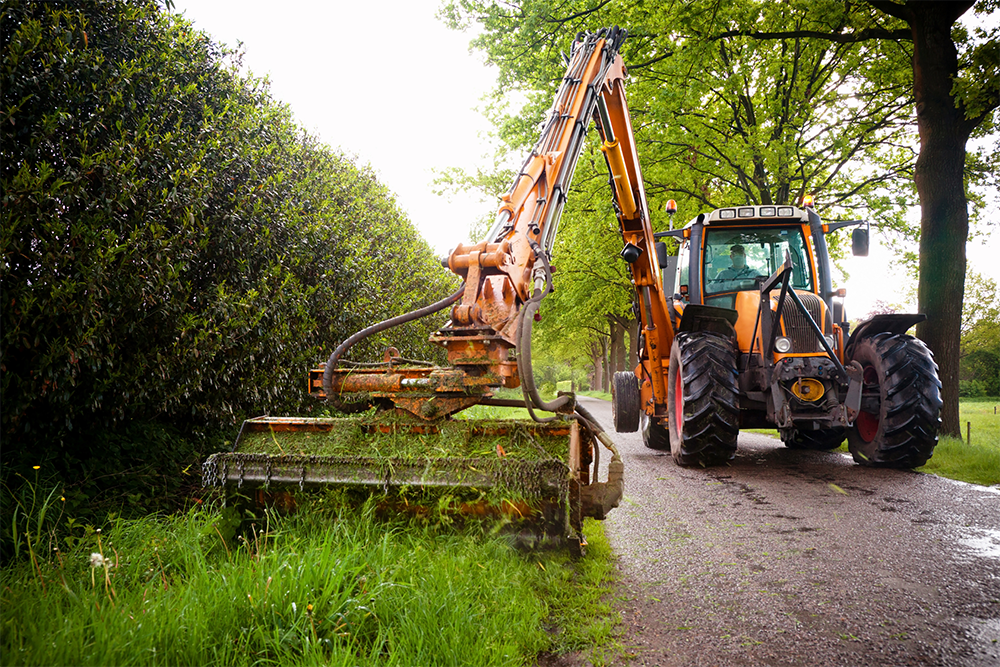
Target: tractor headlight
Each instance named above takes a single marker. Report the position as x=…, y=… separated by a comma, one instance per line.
x=831, y=341
x=783, y=344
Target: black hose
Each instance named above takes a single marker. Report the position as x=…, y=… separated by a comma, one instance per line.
x=532, y=398
x=592, y=423
x=331, y=363
x=584, y=415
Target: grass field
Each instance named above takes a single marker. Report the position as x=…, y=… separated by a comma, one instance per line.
x=326, y=586
x=977, y=461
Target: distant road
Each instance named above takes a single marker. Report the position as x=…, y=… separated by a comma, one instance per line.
x=803, y=558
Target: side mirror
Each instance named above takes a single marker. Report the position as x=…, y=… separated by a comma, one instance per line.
x=859, y=242
x=661, y=253
x=669, y=270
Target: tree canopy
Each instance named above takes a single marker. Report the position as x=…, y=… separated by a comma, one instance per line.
x=724, y=120
x=761, y=102
x=980, y=362
x=717, y=122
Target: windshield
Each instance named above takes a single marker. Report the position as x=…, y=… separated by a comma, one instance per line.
x=735, y=258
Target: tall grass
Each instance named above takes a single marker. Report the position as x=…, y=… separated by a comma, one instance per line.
x=329, y=585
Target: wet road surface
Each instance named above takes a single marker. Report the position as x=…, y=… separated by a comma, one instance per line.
x=788, y=557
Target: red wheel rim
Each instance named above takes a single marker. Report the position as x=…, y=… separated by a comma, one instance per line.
x=867, y=423
x=678, y=404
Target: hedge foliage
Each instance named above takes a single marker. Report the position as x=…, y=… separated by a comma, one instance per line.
x=176, y=250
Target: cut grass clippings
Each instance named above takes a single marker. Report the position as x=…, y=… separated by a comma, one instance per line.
x=329, y=585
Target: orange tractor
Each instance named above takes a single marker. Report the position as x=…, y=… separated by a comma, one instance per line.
x=715, y=375
x=763, y=342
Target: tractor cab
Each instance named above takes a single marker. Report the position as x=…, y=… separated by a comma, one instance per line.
x=732, y=249
x=750, y=289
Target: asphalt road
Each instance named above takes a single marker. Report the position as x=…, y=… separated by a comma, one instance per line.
x=788, y=557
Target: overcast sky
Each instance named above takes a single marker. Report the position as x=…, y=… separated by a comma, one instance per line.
x=382, y=80
x=387, y=82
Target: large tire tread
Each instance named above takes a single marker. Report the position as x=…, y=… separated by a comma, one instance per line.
x=910, y=393
x=626, y=402
x=706, y=432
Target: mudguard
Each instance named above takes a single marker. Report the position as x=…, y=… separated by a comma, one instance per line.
x=895, y=323
x=708, y=318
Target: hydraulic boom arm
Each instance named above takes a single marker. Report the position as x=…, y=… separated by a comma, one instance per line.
x=508, y=274
x=508, y=271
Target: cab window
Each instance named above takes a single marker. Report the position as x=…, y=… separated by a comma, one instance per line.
x=736, y=258
x=682, y=270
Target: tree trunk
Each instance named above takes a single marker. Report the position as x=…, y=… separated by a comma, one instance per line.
x=939, y=177
x=606, y=359
x=633, y=344
x=597, y=357
x=617, y=349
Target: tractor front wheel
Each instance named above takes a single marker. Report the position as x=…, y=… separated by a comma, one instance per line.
x=900, y=402
x=703, y=405
x=626, y=402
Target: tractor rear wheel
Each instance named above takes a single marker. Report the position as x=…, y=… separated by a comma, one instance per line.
x=626, y=402
x=900, y=402
x=821, y=441
x=654, y=435
x=703, y=405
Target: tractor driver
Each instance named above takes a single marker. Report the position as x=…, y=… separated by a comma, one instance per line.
x=731, y=278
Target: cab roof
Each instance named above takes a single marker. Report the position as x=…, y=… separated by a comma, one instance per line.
x=745, y=215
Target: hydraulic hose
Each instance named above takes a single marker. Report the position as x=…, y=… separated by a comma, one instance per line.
x=595, y=428
x=331, y=363
x=532, y=399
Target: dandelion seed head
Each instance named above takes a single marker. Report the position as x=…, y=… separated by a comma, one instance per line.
x=96, y=560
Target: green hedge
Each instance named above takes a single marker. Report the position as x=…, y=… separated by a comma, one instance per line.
x=176, y=250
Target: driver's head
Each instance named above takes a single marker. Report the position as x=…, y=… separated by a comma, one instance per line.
x=738, y=257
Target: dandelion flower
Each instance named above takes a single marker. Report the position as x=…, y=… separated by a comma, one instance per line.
x=96, y=560
x=36, y=467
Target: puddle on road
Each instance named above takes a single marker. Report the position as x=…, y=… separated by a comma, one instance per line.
x=987, y=631
x=995, y=489
x=984, y=542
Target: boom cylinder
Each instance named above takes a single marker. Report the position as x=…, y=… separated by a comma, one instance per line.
x=626, y=200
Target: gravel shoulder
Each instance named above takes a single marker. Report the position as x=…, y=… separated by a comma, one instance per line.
x=788, y=557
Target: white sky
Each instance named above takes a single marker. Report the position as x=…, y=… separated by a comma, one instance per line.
x=386, y=81
x=383, y=80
